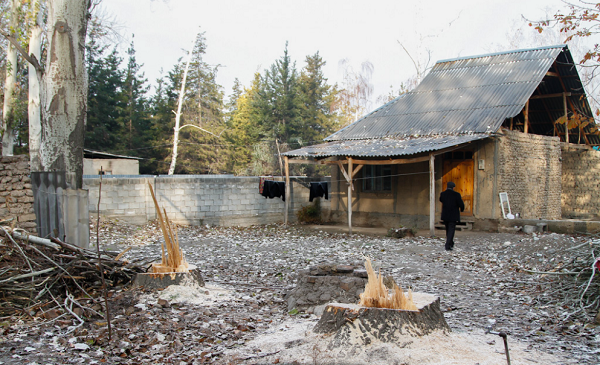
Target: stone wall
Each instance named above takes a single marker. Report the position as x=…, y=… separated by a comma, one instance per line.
x=199, y=199
x=580, y=182
x=529, y=170
x=16, y=194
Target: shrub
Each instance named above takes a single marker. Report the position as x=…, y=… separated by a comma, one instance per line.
x=310, y=214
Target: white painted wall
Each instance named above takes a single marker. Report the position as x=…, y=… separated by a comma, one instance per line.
x=114, y=166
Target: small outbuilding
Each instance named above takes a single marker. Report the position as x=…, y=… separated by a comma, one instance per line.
x=102, y=163
x=514, y=122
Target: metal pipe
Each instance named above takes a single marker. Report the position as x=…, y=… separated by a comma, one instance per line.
x=505, y=338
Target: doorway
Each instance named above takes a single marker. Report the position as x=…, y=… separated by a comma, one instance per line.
x=458, y=167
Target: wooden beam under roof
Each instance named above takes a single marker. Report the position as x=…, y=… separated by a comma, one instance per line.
x=546, y=96
x=399, y=161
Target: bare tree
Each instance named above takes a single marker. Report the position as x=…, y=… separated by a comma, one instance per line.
x=355, y=97
x=9, y=84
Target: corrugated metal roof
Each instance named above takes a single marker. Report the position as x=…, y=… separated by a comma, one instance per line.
x=464, y=95
x=384, y=147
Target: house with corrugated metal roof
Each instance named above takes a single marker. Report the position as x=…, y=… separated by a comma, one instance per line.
x=496, y=123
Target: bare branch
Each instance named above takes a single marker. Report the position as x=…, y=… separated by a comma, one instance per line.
x=30, y=58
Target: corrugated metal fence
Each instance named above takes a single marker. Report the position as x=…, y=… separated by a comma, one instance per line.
x=56, y=204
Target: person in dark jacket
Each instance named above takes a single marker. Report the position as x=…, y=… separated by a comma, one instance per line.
x=451, y=204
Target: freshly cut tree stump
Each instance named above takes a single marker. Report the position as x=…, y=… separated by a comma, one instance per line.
x=152, y=280
x=353, y=324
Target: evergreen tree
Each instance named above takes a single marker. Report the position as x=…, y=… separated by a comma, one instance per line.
x=134, y=116
x=160, y=133
x=279, y=102
x=242, y=134
x=103, y=130
x=319, y=116
x=201, y=150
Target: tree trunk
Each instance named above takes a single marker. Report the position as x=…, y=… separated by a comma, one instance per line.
x=9, y=86
x=354, y=324
x=64, y=98
x=178, y=115
x=35, y=76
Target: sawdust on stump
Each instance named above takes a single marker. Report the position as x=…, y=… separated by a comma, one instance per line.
x=172, y=259
x=377, y=295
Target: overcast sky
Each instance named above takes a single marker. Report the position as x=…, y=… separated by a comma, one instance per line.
x=248, y=36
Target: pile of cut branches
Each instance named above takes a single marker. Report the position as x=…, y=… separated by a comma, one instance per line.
x=573, y=284
x=38, y=274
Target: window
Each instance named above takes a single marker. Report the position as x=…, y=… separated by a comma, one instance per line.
x=377, y=178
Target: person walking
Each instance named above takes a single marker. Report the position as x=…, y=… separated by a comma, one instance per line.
x=451, y=204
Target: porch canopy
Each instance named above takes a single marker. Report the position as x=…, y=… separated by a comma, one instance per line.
x=381, y=151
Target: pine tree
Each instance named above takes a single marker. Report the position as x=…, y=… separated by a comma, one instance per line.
x=160, y=133
x=319, y=116
x=104, y=129
x=201, y=149
x=278, y=101
x=134, y=116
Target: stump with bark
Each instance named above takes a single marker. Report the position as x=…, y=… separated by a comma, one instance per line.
x=352, y=324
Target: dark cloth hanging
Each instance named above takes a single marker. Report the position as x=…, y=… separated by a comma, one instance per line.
x=274, y=189
x=261, y=184
x=318, y=190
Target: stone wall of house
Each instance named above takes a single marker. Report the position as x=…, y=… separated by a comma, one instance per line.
x=529, y=170
x=199, y=199
x=16, y=194
x=580, y=182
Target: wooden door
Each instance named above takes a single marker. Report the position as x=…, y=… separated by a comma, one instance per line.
x=461, y=173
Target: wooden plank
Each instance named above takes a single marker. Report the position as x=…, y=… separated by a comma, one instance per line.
x=546, y=96
x=339, y=163
x=431, y=195
x=380, y=162
x=305, y=161
x=566, y=118
x=287, y=190
x=350, y=188
x=526, y=114
x=356, y=170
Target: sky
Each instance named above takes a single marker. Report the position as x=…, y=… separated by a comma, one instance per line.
x=245, y=37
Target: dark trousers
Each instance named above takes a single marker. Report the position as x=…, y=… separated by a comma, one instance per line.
x=450, y=229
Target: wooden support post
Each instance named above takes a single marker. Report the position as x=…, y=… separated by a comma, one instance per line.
x=431, y=195
x=511, y=123
x=566, y=117
x=526, y=114
x=350, y=196
x=287, y=190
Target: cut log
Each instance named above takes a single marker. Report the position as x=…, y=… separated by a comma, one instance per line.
x=352, y=324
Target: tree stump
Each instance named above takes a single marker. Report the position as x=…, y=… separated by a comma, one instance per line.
x=162, y=280
x=352, y=324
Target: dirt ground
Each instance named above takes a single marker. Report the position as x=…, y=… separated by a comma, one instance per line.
x=241, y=317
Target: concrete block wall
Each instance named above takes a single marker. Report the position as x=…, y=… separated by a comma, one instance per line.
x=198, y=199
x=580, y=182
x=529, y=170
x=16, y=194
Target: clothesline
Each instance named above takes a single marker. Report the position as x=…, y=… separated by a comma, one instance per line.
x=362, y=178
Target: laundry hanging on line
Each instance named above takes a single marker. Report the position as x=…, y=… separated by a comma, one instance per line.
x=273, y=189
x=318, y=190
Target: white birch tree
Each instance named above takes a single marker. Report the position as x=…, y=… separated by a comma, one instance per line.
x=9, y=84
x=64, y=92
x=35, y=78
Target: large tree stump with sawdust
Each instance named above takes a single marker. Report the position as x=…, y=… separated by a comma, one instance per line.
x=355, y=324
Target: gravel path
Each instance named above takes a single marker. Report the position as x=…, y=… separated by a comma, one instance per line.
x=249, y=270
